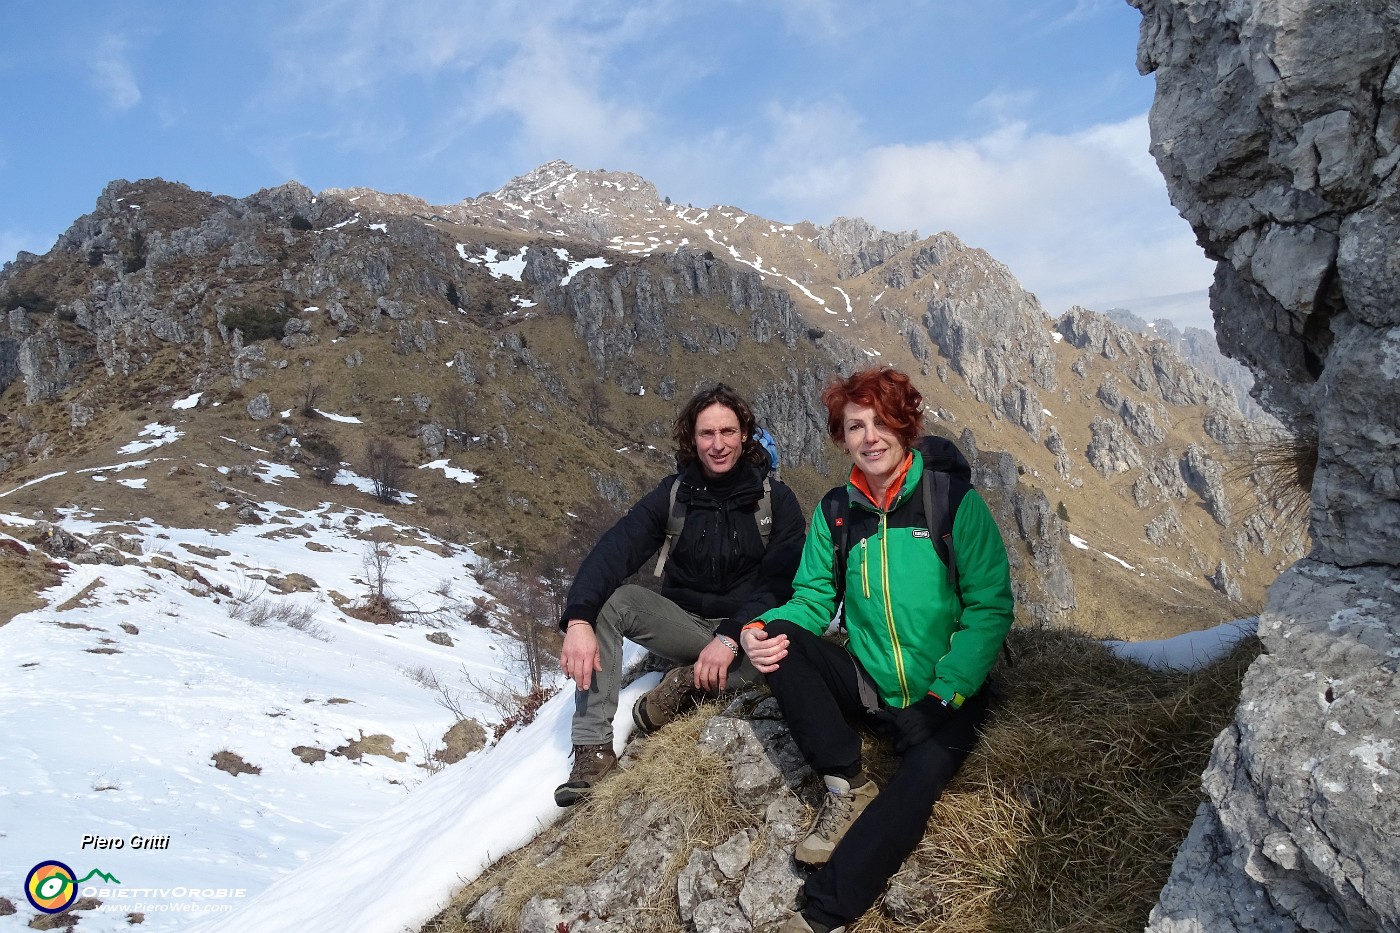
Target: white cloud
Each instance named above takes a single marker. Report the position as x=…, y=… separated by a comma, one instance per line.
x=1079, y=218
x=112, y=73
x=1084, y=10
x=542, y=84
x=553, y=87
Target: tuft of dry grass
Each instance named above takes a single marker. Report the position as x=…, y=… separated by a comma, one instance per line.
x=1279, y=472
x=1067, y=815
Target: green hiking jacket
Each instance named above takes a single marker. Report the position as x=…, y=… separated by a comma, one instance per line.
x=906, y=625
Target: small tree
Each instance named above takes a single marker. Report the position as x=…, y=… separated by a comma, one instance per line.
x=310, y=396
x=526, y=609
x=384, y=466
x=595, y=404
x=380, y=606
x=458, y=406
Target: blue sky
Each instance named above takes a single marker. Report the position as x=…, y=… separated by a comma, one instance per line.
x=1018, y=125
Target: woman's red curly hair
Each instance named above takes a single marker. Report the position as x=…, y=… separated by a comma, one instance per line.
x=895, y=400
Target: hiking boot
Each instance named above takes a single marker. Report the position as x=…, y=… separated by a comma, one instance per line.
x=591, y=762
x=800, y=924
x=842, y=804
x=676, y=694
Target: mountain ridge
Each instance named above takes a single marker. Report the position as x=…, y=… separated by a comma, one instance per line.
x=622, y=306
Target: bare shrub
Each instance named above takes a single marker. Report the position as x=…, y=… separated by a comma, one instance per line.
x=381, y=605
x=309, y=396
x=254, y=606
x=302, y=618
x=515, y=707
x=446, y=697
x=430, y=763
x=249, y=603
x=459, y=406
x=257, y=613
x=385, y=466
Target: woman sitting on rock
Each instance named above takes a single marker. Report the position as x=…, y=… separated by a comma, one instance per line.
x=921, y=640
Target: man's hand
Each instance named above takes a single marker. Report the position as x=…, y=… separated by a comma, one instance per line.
x=765, y=652
x=579, y=657
x=712, y=667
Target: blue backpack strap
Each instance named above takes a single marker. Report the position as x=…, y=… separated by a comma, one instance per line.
x=770, y=446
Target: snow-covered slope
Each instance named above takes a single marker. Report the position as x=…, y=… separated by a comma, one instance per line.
x=220, y=729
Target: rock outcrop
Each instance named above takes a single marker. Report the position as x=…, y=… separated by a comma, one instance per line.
x=1277, y=127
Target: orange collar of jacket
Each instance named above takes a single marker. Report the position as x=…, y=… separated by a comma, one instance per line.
x=892, y=491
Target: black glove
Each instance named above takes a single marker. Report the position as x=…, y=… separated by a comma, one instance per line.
x=919, y=722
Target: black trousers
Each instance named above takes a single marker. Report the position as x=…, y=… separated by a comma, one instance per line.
x=817, y=686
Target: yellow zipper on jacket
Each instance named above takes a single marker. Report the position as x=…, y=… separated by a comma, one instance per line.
x=889, y=605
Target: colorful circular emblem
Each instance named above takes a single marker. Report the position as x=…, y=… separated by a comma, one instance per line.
x=51, y=887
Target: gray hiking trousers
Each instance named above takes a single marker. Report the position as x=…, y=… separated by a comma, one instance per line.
x=659, y=625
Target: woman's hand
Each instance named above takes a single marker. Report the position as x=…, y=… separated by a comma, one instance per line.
x=579, y=657
x=765, y=652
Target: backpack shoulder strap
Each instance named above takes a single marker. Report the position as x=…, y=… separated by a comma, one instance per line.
x=675, y=521
x=836, y=506
x=938, y=514
x=764, y=514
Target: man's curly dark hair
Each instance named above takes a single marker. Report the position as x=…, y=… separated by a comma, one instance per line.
x=683, y=433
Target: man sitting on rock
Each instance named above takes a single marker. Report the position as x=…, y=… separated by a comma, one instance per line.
x=721, y=569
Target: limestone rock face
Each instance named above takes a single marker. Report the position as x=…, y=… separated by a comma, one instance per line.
x=858, y=246
x=1277, y=127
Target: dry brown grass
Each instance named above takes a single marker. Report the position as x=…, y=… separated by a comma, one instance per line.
x=1069, y=813
x=25, y=570
x=1065, y=818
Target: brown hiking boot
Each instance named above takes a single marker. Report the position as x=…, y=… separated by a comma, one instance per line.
x=676, y=694
x=591, y=762
x=842, y=804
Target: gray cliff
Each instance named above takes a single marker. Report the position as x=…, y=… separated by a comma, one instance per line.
x=1277, y=128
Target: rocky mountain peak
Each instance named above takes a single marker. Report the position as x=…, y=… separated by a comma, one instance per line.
x=560, y=181
x=858, y=245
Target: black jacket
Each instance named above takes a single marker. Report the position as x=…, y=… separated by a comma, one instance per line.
x=718, y=567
